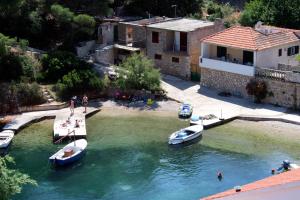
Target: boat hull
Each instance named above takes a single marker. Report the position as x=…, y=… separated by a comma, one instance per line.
x=68, y=161
x=8, y=135
x=179, y=141
x=77, y=146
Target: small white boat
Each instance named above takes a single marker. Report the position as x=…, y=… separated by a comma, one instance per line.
x=6, y=138
x=185, y=110
x=70, y=153
x=186, y=134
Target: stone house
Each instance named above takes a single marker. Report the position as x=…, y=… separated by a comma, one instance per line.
x=172, y=43
x=132, y=37
x=230, y=58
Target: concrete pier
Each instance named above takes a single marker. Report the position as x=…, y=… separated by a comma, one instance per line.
x=65, y=123
x=61, y=116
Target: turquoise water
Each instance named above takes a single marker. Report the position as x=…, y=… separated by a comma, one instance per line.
x=128, y=158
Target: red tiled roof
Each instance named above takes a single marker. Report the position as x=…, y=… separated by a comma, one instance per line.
x=280, y=179
x=251, y=39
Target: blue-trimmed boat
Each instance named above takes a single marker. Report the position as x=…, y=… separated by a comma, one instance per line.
x=70, y=153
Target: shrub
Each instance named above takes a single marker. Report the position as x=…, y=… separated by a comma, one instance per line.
x=29, y=94
x=11, y=180
x=78, y=82
x=57, y=64
x=138, y=72
x=258, y=89
x=14, y=95
x=10, y=67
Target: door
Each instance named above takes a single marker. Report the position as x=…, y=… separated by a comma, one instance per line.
x=183, y=41
x=247, y=57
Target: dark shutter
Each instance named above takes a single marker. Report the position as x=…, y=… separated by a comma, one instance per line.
x=155, y=37
x=289, y=52
x=183, y=41
x=221, y=51
x=296, y=49
x=279, y=52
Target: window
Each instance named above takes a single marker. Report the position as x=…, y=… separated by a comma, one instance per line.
x=293, y=50
x=157, y=57
x=155, y=37
x=247, y=57
x=183, y=41
x=279, y=52
x=221, y=52
x=175, y=60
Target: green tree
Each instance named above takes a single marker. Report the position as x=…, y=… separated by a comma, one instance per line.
x=62, y=15
x=138, y=72
x=10, y=68
x=163, y=7
x=298, y=57
x=84, y=26
x=79, y=82
x=57, y=64
x=11, y=180
x=282, y=13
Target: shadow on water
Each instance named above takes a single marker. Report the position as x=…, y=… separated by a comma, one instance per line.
x=5, y=151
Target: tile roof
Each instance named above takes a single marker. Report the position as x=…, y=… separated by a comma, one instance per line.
x=280, y=179
x=251, y=39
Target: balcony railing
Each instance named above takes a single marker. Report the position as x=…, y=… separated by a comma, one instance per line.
x=279, y=75
x=270, y=74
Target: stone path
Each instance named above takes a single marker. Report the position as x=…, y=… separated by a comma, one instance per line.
x=207, y=101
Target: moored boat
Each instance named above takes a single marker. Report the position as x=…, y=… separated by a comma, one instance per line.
x=186, y=134
x=6, y=137
x=185, y=110
x=70, y=153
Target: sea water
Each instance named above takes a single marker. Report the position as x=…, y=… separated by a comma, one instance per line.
x=128, y=158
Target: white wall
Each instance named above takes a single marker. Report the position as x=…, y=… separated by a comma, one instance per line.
x=227, y=67
x=269, y=58
x=84, y=50
x=177, y=41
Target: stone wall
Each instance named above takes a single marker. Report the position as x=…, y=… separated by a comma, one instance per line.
x=122, y=32
x=195, y=37
x=139, y=36
x=105, y=55
x=186, y=59
x=225, y=81
x=166, y=66
x=84, y=50
x=283, y=93
x=180, y=69
x=280, y=93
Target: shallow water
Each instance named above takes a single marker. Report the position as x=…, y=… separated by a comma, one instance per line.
x=128, y=158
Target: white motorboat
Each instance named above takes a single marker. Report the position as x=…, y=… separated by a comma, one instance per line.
x=6, y=138
x=70, y=153
x=186, y=134
x=185, y=110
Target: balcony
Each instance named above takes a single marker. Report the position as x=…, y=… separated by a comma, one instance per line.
x=222, y=65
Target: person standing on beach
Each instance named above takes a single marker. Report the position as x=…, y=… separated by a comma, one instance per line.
x=85, y=102
x=72, y=106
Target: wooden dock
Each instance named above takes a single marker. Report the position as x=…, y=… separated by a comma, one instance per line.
x=65, y=124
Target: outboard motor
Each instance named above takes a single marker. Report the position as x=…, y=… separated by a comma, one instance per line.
x=286, y=164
